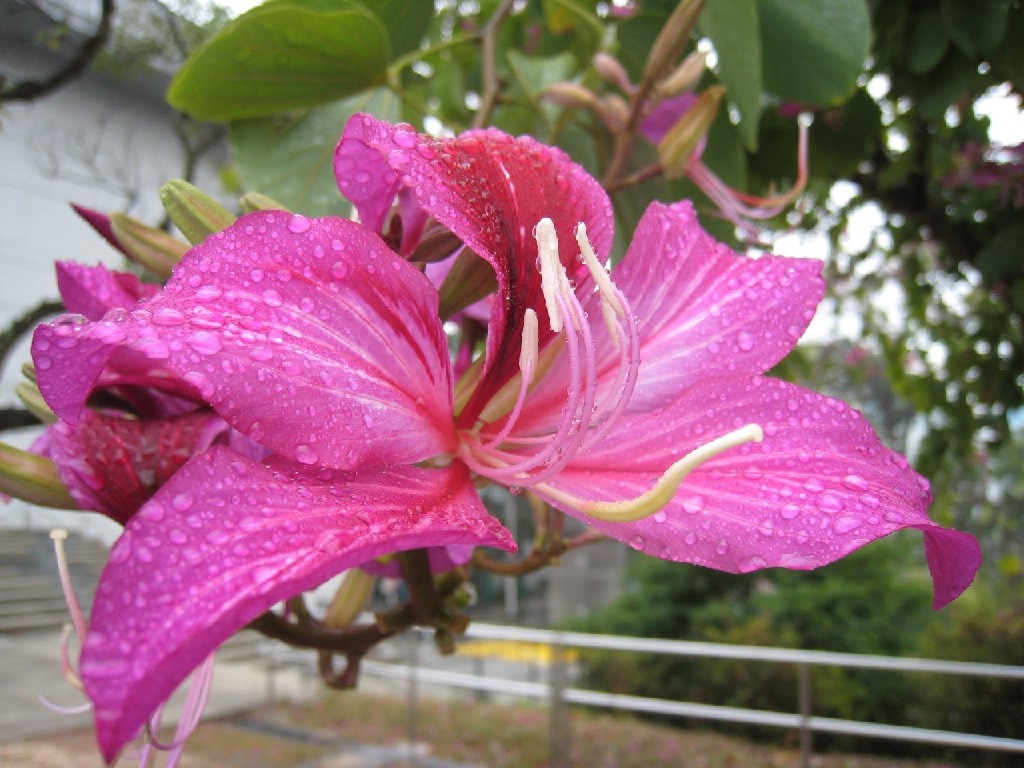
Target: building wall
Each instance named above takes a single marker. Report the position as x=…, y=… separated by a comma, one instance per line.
x=102, y=141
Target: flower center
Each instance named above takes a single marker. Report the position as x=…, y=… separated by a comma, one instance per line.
x=595, y=395
x=594, y=398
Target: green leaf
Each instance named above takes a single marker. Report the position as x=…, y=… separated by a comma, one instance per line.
x=927, y=42
x=1001, y=257
x=813, y=50
x=292, y=159
x=732, y=26
x=283, y=55
x=406, y=22
x=976, y=27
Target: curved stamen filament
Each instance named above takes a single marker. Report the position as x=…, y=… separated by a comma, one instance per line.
x=59, y=535
x=528, y=356
x=568, y=319
x=662, y=492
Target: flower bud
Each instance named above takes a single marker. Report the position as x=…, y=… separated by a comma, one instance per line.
x=254, y=201
x=193, y=211
x=32, y=478
x=352, y=596
x=29, y=395
x=613, y=111
x=153, y=248
x=683, y=78
x=612, y=71
x=671, y=40
x=571, y=95
x=682, y=139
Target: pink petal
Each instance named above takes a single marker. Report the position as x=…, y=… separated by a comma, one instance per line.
x=91, y=291
x=819, y=486
x=441, y=559
x=490, y=190
x=665, y=115
x=225, y=540
x=112, y=464
x=100, y=222
x=706, y=311
x=308, y=335
x=702, y=311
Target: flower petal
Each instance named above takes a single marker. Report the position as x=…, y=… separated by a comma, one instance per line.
x=225, y=540
x=490, y=190
x=91, y=291
x=819, y=486
x=308, y=335
x=703, y=309
x=112, y=464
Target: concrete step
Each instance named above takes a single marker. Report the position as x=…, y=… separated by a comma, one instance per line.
x=33, y=606
x=33, y=623
x=30, y=582
x=25, y=594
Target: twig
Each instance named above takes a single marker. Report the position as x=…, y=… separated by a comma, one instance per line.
x=23, y=324
x=28, y=90
x=489, y=65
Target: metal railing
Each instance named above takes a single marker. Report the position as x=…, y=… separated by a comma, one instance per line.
x=558, y=693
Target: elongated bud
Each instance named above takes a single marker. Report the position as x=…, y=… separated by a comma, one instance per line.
x=32, y=478
x=571, y=95
x=29, y=395
x=254, y=201
x=153, y=248
x=352, y=596
x=672, y=39
x=679, y=143
x=613, y=111
x=193, y=211
x=611, y=70
x=683, y=78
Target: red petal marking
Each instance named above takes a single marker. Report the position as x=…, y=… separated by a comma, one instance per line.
x=113, y=465
x=490, y=190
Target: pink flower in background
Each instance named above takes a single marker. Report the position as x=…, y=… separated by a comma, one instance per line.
x=634, y=401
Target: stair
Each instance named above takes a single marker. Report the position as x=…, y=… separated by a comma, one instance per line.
x=31, y=598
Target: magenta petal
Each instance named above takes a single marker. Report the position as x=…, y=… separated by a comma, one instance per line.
x=100, y=222
x=225, y=540
x=819, y=486
x=441, y=559
x=91, y=291
x=112, y=464
x=704, y=310
x=308, y=335
x=490, y=190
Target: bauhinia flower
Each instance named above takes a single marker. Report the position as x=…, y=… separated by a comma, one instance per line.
x=115, y=457
x=633, y=400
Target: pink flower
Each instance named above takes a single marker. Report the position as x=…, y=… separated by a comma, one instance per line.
x=112, y=460
x=633, y=401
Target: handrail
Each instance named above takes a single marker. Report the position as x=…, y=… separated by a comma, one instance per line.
x=803, y=721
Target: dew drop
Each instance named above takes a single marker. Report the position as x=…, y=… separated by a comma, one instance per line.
x=638, y=543
x=744, y=341
x=829, y=502
x=298, y=224
x=306, y=455
x=848, y=523
x=183, y=502
x=204, y=342
x=790, y=511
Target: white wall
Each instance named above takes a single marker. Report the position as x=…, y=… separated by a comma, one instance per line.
x=101, y=142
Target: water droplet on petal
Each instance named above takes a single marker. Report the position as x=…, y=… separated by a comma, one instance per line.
x=306, y=455
x=638, y=543
x=183, y=502
x=298, y=224
x=204, y=342
x=848, y=523
x=745, y=341
x=829, y=502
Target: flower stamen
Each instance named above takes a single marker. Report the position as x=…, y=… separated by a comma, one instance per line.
x=662, y=492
